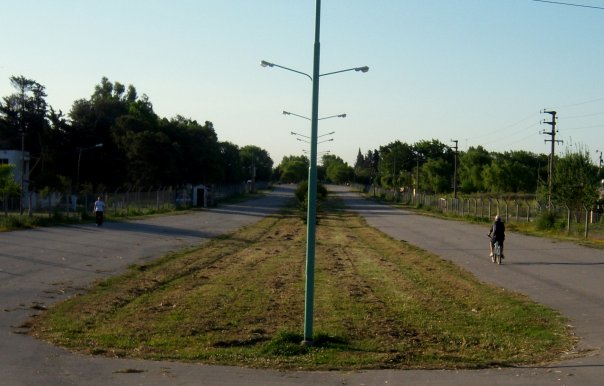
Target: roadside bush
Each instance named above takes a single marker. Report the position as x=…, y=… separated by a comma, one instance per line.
x=302, y=197
x=546, y=221
x=302, y=192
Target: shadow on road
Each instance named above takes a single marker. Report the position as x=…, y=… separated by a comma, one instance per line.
x=164, y=230
x=35, y=261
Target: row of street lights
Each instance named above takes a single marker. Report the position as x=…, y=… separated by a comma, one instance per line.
x=306, y=136
x=311, y=217
x=307, y=140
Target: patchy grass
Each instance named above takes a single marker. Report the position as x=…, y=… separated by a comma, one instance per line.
x=239, y=300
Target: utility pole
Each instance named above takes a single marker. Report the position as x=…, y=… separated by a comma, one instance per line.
x=416, y=173
x=553, y=140
x=455, y=168
x=600, y=164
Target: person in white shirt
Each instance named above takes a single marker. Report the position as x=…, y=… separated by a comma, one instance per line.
x=99, y=210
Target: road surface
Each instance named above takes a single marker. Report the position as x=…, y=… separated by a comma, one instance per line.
x=41, y=266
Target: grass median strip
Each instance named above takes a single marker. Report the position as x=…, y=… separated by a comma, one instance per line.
x=239, y=300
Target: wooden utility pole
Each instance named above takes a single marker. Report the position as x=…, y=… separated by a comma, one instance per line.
x=455, y=168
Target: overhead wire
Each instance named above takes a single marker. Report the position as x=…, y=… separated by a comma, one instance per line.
x=583, y=116
x=579, y=104
x=570, y=4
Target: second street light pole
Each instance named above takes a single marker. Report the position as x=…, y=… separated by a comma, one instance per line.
x=311, y=218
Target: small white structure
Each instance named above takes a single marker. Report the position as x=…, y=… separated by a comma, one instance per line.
x=20, y=160
x=200, y=196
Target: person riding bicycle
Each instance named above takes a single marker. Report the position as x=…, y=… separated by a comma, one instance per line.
x=497, y=234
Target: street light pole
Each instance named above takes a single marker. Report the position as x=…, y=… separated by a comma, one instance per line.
x=22, y=174
x=312, y=189
x=264, y=63
x=416, y=173
x=311, y=218
x=306, y=136
x=319, y=119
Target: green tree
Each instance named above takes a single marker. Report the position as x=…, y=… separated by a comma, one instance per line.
x=24, y=112
x=511, y=172
x=434, y=149
x=56, y=157
x=24, y=123
x=255, y=159
x=293, y=169
x=436, y=175
x=471, y=165
x=575, y=180
x=397, y=159
x=525, y=170
x=496, y=177
x=336, y=170
x=8, y=185
x=196, y=150
x=93, y=121
x=232, y=169
x=363, y=168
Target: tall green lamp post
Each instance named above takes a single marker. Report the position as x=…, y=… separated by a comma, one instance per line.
x=311, y=216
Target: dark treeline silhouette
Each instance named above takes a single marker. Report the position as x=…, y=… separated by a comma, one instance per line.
x=114, y=139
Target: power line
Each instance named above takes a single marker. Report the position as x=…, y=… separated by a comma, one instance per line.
x=504, y=129
x=520, y=140
x=507, y=135
x=569, y=4
x=584, y=127
x=580, y=103
x=583, y=116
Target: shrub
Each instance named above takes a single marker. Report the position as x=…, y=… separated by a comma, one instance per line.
x=302, y=192
x=546, y=221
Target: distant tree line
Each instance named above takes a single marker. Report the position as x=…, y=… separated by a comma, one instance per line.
x=114, y=140
x=332, y=169
x=429, y=166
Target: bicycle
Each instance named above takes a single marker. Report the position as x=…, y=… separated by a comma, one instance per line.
x=496, y=257
x=497, y=253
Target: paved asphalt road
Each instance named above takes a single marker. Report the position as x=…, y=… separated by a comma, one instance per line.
x=41, y=266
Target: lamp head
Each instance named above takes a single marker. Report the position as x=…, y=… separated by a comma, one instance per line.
x=264, y=63
x=362, y=69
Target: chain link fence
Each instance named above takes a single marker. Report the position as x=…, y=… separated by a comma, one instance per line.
x=124, y=201
x=586, y=222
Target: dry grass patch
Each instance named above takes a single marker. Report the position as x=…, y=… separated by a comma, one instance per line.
x=239, y=300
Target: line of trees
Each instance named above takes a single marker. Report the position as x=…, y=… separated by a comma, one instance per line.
x=114, y=139
x=332, y=169
x=141, y=149
x=429, y=166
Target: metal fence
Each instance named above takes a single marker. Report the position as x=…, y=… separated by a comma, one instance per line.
x=587, y=221
x=123, y=200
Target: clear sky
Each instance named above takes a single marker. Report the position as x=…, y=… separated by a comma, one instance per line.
x=478, y=71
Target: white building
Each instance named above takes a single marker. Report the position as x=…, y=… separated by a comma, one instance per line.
x=20, y=161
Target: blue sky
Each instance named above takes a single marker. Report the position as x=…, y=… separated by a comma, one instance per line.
x=478, y=71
